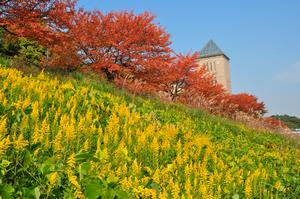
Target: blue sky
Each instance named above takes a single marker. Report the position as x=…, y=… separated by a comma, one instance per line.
x=262, y=38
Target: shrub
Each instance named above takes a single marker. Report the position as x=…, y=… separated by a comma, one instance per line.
x=30, y=52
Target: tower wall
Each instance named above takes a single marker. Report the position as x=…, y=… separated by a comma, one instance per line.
x=219, y=66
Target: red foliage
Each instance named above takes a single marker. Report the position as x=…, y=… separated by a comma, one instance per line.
x=246, y=103
x=274, y=123
x=182, y=79
x=115, y=43
x=41, y=20
x=131, y=42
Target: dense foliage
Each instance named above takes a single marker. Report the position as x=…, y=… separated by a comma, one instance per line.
x=128, y=49
x=69, y=139
x=292, y=122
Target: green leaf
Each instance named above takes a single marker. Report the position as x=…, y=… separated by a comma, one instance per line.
x=27, y=159
x=47, y=167
x=85, y=168
x=155, y=186
x=6, y=191
x=236, y=196
x=122, y=194
x=82, y=157
x=37, y=192
x=5, y=163
x=93, y=189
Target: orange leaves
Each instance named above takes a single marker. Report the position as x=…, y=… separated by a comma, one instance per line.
x=133, y=41
x=40, y=20
x=183, y=79
x=248, y=104
x=117, y=41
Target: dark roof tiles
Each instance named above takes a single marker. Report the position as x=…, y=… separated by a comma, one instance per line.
x=211, y=49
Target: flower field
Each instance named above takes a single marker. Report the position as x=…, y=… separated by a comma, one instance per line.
x=72, y=139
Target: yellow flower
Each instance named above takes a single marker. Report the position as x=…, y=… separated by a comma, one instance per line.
x=4, y=144
x=70, y=130
x=78, y=193
x=71, y=161
x=35, y=111
x=187, y=187
x=187, y=170
x=81, y=124
x=163, y=194
x=57, y=142
x=113, y=125
x=228, y=178
x=20, y=143
x=26, y=103
x=141, y=141
x=24, y=123
x=36, y=137
x=105, y=139
x=135, y=168
x=45, y=128
x=277, y=185
x=203, y=190
x=248, y=187
x=57, y=114
x=2, y=126
x=126, y=184
x=156, y=176
x=175, y=190
x=67, y=85
x=155, y=145
x=86, y=145
x=52, y=178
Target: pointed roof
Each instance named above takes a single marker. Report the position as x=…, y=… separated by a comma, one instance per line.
x=211, y=49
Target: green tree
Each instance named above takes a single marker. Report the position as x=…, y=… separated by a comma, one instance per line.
x=292, y=122
x=31, y=52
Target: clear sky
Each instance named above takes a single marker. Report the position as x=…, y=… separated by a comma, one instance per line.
x=262, y=38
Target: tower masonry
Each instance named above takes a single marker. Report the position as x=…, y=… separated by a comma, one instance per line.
x=217, y=63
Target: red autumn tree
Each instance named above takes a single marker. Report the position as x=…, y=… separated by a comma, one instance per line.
x=177, y=76
x=170, y=78
x=123, y=41
x=70, y=53
x=182, y=79
x=201, y=85
x=248, y=104
x=118, y=44
x=41, y=20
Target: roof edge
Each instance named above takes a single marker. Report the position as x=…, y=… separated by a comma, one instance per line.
x=207, y=56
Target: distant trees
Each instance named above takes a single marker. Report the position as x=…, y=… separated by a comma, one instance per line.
x=128, y=49
x=274, y=123
x=292, y=122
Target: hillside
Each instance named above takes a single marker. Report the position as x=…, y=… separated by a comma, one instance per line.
x=74, y=138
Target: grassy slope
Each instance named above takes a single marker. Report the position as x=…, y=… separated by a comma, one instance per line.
x=240, y=158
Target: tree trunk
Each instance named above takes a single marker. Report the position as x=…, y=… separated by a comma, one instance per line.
x=109, y=75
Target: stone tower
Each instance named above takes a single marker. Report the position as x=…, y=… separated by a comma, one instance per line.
x=217, y=63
